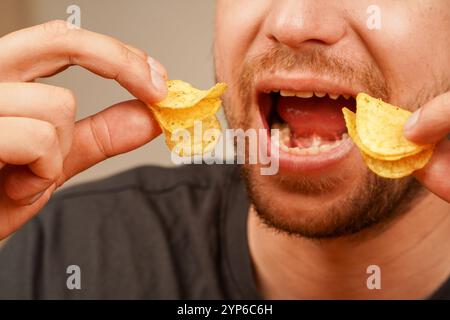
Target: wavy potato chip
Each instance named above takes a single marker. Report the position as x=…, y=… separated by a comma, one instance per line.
x=201, y=138
x=182, y=95
x=380, y=129
x=187, y=117
x=350, y=121
x=396, y=168
x=173, y=119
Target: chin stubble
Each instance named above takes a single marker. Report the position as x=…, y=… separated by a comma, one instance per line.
x=373, y=205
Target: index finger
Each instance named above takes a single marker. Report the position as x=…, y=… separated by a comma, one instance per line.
x=45, y=49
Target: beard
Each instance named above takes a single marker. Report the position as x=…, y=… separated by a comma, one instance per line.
x=371, y=205
x=283, y=202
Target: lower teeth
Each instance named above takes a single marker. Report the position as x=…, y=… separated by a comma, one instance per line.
x=316, y=145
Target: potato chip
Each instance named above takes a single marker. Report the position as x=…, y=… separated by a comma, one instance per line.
x=350, y=120
x=172, y=119
x=396, y=168
x=182, y=95
x=380, y=129
x=187, y=117
x=201, y=138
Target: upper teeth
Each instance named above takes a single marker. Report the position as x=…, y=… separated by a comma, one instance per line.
x=309, y=94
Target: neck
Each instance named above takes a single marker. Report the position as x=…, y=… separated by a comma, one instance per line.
x=412, y=253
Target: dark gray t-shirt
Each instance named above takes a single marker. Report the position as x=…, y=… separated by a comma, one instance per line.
x=143, y=234
x=148, y=233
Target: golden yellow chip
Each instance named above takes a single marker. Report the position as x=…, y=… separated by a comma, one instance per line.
x=173, y=119
x=187, y=117
x=394, y=168
x=350, y=121
x=380, y=129
x=398, y=168
x=182, y=95
x=201, y=138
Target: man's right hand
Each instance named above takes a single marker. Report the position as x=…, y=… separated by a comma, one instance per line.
x=41, y=146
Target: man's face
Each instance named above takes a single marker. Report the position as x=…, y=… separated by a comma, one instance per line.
x=312, y=48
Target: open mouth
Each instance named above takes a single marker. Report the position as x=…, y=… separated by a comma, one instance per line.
x=310, y=122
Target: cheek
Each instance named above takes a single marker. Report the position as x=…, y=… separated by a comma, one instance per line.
x=411, y=48
x=404, y=47
x=237, y=24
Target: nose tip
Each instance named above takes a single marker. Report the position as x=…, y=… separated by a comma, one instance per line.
x=295, y=23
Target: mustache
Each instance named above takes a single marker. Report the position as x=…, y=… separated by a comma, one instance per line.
x=316, y=60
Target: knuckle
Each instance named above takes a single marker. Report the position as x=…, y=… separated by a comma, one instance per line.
x=140, y=53
x=128, y=57
x=67, y=104
x=101, y=135
x=55, y=27
x=47, y=136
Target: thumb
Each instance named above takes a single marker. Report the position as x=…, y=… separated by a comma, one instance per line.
x=434, y=176
x=120, y=128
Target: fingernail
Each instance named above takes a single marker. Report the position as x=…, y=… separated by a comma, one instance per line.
x=36, y=197
x=158, y=76
x=411, y=122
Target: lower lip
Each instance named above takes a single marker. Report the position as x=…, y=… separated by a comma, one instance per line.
x=310, y=163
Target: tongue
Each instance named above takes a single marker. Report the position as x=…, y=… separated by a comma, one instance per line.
x=305, y=117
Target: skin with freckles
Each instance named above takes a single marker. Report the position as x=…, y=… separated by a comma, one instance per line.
x=328, y=226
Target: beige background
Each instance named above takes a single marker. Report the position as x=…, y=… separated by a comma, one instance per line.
x=176, y=32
